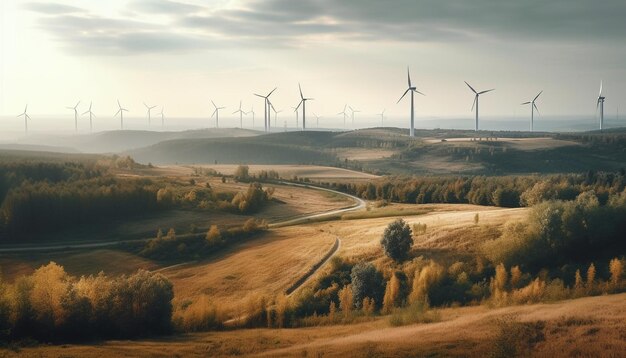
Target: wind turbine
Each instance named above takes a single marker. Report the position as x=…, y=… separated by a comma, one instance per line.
x=216, y=113
x=475, y=104
x=91, y=115
x=252, y=111
x=75, y=115
x=266, y=98
x=162, y=117
x=533, y=107
x=382, y=117
x=303, y=103
x=241, y=113
x=121, y=113
x=295, y=109
x=26, y=119
x=318, y=119
x=275, y=114
x=344, y=115
x=413, y=90
x=600, y=104
x=149, y=116
x=353, y=112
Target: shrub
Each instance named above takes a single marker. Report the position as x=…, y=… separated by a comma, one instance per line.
x=367, y=281
x=397, y=240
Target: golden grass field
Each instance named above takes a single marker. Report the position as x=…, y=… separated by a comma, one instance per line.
x=517, y=143
x=585, y=327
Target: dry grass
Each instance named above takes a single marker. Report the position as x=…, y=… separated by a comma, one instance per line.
x=266, y=267
x=313, y=172
x=517, y=143
x=593, y=326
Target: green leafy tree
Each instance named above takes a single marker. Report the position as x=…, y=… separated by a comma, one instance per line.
x=397, y=240
x=367, y=281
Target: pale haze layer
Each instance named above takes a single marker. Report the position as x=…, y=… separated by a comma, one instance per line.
x=181, y=55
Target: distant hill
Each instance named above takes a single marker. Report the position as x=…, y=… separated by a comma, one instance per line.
x=124, y=140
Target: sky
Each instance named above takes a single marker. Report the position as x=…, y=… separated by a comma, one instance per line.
x=183, y=54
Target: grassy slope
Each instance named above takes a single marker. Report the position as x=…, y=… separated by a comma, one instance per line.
x=592, y=326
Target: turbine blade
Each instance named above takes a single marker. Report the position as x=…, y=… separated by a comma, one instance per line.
x=536, y=109
x=475, y=99
x=118, y=112
x=213, y=104
x=408, y=75
x=258, y=95
x=84, y=113
x=118, y=103
x=419, y=92
x=301, y=96
x=76, y=104
x=525, y=103
x=299, y=105
x=600, y=95
x=405, y=92
x=269, y=94
x=468, y=85
x=493, y=89
x=537, y=96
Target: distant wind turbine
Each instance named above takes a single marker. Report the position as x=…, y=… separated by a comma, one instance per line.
x=121, y=111
x=533, y=107
x=241, y=113
x=75, y=115
x=91, y=115
x=344, y=115
x=382, y=117
x=475, y=104
x=162, y=117
x=26, y=119
x=216, y=113
x=318, y=119
x=413, y=90
x=252, y=111
x=266, y=113
x=353, y=112
x=149, y=108
x=600, y=104
x=275, y=114
x=303, y=103
x=295, y=110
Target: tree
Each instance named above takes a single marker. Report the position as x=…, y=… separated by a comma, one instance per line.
x=392, y=292
x=367, y=281
x=242, y=173
x=397, y=240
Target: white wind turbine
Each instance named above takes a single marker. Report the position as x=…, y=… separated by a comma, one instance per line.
x=318, y=119
x=26, y=119
x=344, y=115
x=149, y=108
x=162, y=117
x=600, y=104
x=75, y=109
x=91, y=115
x=303, y=103
x=121, y=111
x=533, y=107
x=266, y=112
x=241, y=113
x=475, y=104
x=382, y=117
x=251, y=111
x=413, y=90
x=216, y=113
x=353, y=112
x=295, y=110
x=275, y=113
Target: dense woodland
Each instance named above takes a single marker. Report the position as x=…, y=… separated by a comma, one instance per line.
x=42, y=197
x=506, y=191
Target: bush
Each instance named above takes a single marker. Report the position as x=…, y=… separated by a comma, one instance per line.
x=397, y=240
x=367, y=281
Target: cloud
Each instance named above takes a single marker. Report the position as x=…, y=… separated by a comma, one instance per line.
x=279, y=23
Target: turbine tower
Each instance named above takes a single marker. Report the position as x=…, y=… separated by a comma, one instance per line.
x=533, y=107
x=413, y=90
x=382, y=117
x=149, y=110
x=318, y=119
x=162, y=117
x=121, y=113
x=353, y=112
x=475, y=104
x=344, y=115
x=75, y=115
x=266, y=112
x=303, y=103
x=26, y=119
x=216, y=113
x=91, y=115
x=600, y=104
x=241, y=113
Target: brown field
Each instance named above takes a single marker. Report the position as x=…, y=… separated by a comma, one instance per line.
x=315, y=172
x=517, y=143
x=363, y=153
x=585, y=327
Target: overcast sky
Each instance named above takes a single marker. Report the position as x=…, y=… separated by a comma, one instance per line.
x=181, y=54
